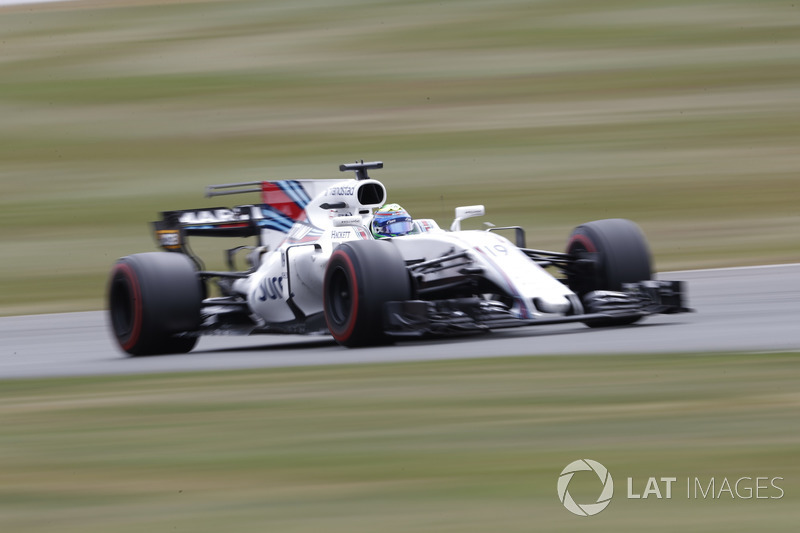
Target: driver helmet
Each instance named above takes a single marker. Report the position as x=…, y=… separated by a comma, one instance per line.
x=391, y=220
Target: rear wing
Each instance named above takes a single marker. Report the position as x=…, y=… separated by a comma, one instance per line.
x=173, y=228
x=283, y=204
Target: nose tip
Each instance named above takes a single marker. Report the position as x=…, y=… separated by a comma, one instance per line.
x=555, y=305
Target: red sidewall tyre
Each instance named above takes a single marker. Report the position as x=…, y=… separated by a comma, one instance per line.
x=361, y=276
x=619, y=252
x=341, y=297
x=153, y=302
x=125, y=304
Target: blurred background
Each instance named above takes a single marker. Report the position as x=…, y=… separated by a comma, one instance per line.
x=681, y=115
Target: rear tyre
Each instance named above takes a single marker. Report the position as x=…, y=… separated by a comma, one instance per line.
x=361, y=276
x=153, y=300
x=617, y=253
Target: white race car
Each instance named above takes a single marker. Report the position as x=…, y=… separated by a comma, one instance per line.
x=316, y=268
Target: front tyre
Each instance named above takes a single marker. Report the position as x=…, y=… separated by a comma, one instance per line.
x=154, y=298
x=361, y=276
x=614, y=252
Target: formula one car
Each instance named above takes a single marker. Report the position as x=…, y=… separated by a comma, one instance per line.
x=316, y=268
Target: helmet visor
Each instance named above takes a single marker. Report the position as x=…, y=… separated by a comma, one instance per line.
x=397, y=227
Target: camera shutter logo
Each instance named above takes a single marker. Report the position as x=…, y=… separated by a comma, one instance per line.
x=585, y=509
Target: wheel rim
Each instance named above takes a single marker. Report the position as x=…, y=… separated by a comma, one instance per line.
x=340, y=297
x=582, y=247
x=122, y=307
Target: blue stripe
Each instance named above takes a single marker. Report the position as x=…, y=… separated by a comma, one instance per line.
x=270, y=224
x=304, y=197
x=295, y=191
x=274, y=219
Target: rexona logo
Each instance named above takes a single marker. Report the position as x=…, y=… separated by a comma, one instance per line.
x=585, y=509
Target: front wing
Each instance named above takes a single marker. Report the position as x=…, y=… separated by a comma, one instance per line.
x=458, y=316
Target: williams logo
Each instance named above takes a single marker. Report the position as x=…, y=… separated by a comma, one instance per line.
x=585, y=509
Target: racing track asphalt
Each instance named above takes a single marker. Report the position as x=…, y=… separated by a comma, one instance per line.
x=750, y=309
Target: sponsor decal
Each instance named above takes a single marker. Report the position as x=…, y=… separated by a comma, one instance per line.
x=270, y=289
x=211, y=216
x=347, y=219
x=169, y=239
x=341, y=234
x=342, y=190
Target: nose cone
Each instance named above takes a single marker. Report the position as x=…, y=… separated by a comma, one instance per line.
x=553, y=304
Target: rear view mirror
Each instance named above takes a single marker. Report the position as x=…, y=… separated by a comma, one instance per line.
x=464, y=212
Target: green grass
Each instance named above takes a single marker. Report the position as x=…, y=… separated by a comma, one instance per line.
x=681, y=115
x=444, y=446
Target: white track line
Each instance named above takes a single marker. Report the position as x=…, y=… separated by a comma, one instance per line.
x=724, y=269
